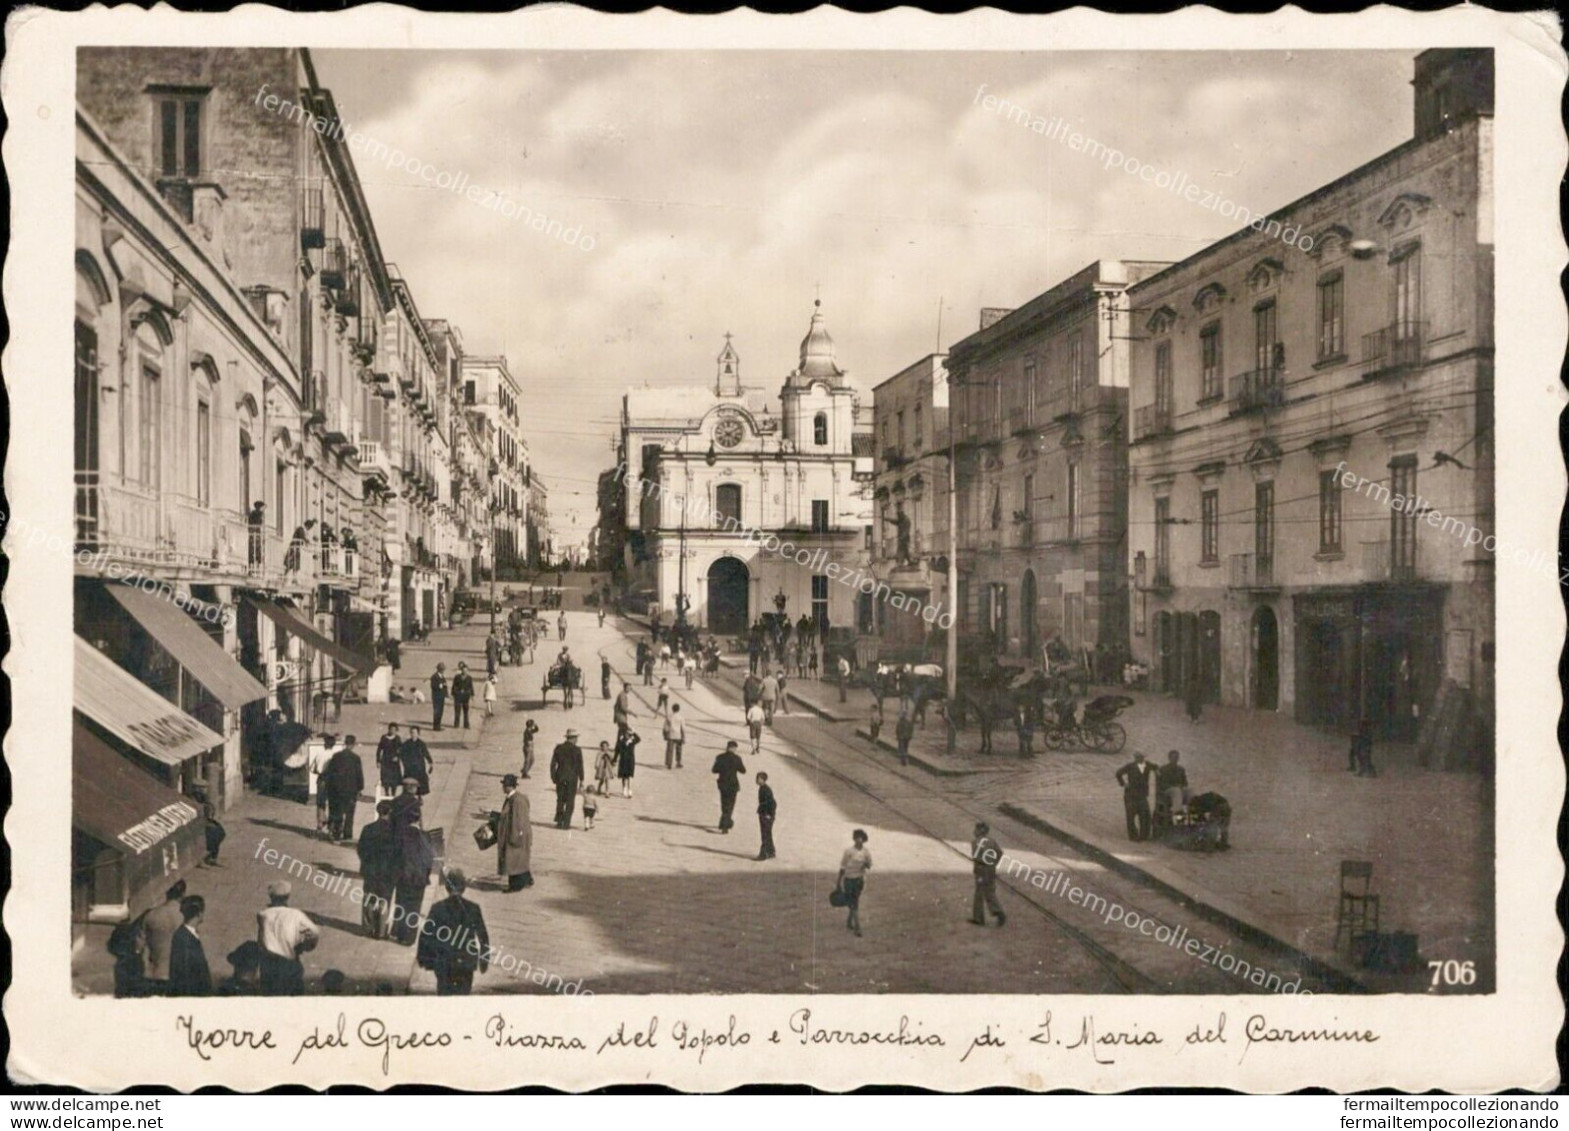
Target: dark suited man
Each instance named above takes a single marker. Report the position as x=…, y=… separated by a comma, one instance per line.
x=438, y=695
x=453, y=942
x=379, y=864
x=729, y=767
x=462, y=694
x=189, y=974
x=344, y=781
x=566, y=770
x=389, y=761
x=767, y=810
x=1135, y=778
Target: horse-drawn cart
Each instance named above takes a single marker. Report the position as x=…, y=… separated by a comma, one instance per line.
x=564, y=677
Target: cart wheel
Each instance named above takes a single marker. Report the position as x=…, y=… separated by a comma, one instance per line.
x=1053, y=737
x=1113, y=738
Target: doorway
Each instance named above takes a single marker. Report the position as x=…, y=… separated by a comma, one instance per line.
x=728, y=591
x=1266, y=659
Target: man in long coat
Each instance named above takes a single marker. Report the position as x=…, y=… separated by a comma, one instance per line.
x=438, y=695
x=566, y=770
x=344, y=781
x=379, y=865
x=514, y=837
x=457, y=943
x=415, y=861
x=462, y=694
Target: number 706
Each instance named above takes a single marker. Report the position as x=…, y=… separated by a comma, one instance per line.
x=1452, y=973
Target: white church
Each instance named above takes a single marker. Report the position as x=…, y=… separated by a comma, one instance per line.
x=733, y=507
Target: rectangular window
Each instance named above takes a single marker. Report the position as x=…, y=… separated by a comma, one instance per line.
x=1264, y=529
x=1405, y=513
x=1073, y=500
x=1075, y=370
x=819, y=516
x=964, y=605
x=1163, y=380
x=1408, y=292
x=1162, y=540
x=279, y=497
x=1264, y=335
x=179, y=135
x=1029, y=387
x=920, y=440
x=151, y=439
x=820, y=600
x=1328, y=512
x=203, y=454
x=1331, y=316
x=1211, y=359
x=901, y=432
x=1209, y=526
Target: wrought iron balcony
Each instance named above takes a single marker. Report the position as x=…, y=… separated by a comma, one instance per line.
x=1151, y=420
x=348, y=301
x=1257, y=390
x=334, y=263
x=1394, y=349
x=1385, y=560
x=1253, y=571
x=313, y=219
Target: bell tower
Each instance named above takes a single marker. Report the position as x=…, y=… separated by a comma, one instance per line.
x=727, y=378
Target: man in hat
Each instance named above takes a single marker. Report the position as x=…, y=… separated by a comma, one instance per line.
x=767, y=810
x=415, y=860
x=453, y=942
x=1135, y=778
x=389, y=762
x=514, y=837
x=343, y=780
x=283, y=933
x=566, y=770
x=462, y=693
x=438, y=695
x=415, y=761
x=729, y=767
x=378, y=852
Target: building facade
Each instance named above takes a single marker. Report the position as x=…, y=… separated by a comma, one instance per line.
x=1311, y=442
x=910, y=544
x=491, y=391
x=263, y=480
x=741, y=512
x=1039, y=400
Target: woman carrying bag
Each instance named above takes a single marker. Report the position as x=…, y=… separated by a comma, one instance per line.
x=853, y=867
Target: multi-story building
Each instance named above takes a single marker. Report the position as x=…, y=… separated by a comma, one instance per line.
x=1263, y=373
x=1039, y=399
x=910, y=428
x=251, y=375
x=739, y=511
x=537, y=518
x=491, y=391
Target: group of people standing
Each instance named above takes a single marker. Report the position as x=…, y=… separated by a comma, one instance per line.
x=1200, y=822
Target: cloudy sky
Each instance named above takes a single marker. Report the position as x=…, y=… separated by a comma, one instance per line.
x=721, y=188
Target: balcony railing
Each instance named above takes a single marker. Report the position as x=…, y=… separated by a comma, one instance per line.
x=132, y=524
x=1384, y=560
x=334, y=263
x=338, y=564
x=313, y=220
x=1256, y=390
x=1393, y=349
x=374, y=457
x=1151, y=420
x=1252, y=571
x=348, y=302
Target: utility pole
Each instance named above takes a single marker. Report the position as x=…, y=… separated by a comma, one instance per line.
x=951, y=660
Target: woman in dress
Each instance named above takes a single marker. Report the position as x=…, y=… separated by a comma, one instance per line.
x=626, y=759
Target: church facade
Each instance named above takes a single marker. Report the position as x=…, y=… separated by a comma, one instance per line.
x=736, y=510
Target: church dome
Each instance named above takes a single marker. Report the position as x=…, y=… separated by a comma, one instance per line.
x=817, y=351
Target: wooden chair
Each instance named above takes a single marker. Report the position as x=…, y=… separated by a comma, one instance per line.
x=1358, y=910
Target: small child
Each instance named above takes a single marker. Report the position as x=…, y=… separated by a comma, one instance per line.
x=490, y=695
x=604, y=766
x=662, y=707
x=590, y=808
x=875, y=727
